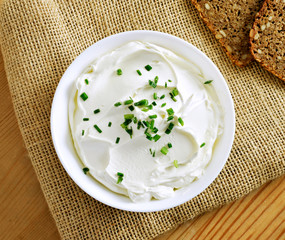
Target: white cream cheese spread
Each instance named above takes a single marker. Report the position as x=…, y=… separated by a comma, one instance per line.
x=144, y=121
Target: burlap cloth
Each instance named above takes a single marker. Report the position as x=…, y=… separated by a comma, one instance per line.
x=39, y=39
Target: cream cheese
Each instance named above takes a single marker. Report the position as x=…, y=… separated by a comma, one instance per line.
x=145, y=176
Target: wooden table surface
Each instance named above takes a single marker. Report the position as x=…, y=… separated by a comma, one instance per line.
x=24, y=213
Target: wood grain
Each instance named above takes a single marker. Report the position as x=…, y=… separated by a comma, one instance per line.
x=24, y=213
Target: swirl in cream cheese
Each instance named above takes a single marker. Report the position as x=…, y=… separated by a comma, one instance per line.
x=145, y=176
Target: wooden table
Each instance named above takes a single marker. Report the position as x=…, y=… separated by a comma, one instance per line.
x=24, y=213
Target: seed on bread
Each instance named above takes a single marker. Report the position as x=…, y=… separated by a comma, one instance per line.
x=230, y=21
x=267, y=37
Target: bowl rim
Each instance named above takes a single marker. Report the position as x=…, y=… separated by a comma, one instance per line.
x=64, y=148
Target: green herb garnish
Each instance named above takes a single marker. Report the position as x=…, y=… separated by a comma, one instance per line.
x=169, y=129
x=154, y=103
x=164, y=150
x=169, y=80
x=141, y=103
x=131, y=108
x=117, y=140
x=170, y=111
x=85, y=170
x=96, y=111
x=163, y=96
x=129, y=116
x=117, y=104
x=109, y=124
x=202, y=145
x=165, y=84
x=86, y=81
x=82, y=133
x=151, y=124
x=148, y=67
x=97, y=128
x=148, y=136
x=155, y=96
x=85, y=119
x=152, y=83
x=120, y=177
x=175, y=163
x=135, y=120
x=127, y=102
x=153, y=116
x=84, y=96
x=146, y=123
x=163, y=105
x=156, y=137
x=170, y=118
x=156, y=79
x=139, y=72
x=175, y=92
x=181, y=121
x=119, y=72
x=169, y=145
x=208, y=82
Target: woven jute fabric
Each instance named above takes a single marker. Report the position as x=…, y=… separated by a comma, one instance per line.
x=39, y=39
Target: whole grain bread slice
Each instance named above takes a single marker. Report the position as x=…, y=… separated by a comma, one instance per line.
x=267, y=37
x=231, y=21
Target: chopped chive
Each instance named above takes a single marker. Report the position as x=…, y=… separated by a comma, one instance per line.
x=86, y=81
x=97, y=128
x=155, y=96
x=165, y=84
x=85, y=170
x=85, y=119
x=170, y=127
x=117, y=104
x=156, y=137
x=150, y=151
x=109, y=124
x=163, y=105
x=117, y=140
x=164, y=150
x=96, y=111
x=175, y=163
x=154, y=130
x=130, y=132
x=146, y=131
x=139, y=72
x=151, y=124
x=208, y=82
x=151, y=83
x=170, y=118
x=127, y=102
x=84, y=96
x=148, y=136
x=152, y=116
x=139, y=125
x=181, y=121
x=169, y=145
x=163, y=96
x=131, y=108
x=170, y=111
x=156, y=79
x=119, y=72
x=135, y=120
x=82, y=133
x=127, y=122
x=129, y=116
x=120, y=177
x=154, y=103
x=141, y=103
x=172, y=97
x=145, y=109
x=150, y=106
x=153, y=154
x=202, y=145
x=148, y=67
x=169, y=80
x=175, y=92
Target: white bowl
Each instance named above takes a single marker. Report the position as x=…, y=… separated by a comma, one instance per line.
x=62, y=138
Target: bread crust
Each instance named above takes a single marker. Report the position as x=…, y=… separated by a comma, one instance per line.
x=256, y=33
x=240, y=60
